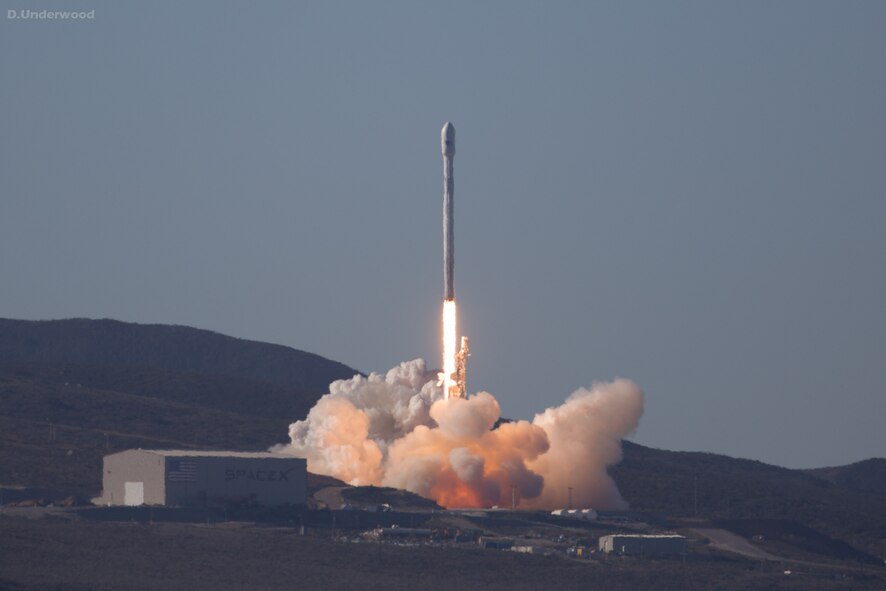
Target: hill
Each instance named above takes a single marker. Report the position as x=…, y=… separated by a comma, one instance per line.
x=712, y=486
x=867, y=476
x=176, y=364
x=179, y=349
x=72, y=391
x=55, y=435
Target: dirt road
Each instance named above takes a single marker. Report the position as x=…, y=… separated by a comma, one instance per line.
x=730, y=542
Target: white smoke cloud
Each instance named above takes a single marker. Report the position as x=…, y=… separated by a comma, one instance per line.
x=585, y=433
x=396, y=430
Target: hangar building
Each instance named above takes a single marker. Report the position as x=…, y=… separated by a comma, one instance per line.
x=643, y=544
x=188, y=478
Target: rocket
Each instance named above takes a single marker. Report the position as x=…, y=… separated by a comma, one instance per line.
x=447, y=145
x=454, y=362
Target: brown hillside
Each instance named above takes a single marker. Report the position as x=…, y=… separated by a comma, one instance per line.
x=711, y=486
x=176, y=348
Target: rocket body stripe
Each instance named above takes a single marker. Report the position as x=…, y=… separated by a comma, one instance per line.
x=448, y=148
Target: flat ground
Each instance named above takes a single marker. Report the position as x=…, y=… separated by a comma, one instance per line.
x=52, y=551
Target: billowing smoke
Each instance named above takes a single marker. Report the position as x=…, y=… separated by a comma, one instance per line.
x=397, y=430
x=585, y=434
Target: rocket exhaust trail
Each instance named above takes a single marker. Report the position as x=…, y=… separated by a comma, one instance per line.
x=453, y=361
x=449, y=366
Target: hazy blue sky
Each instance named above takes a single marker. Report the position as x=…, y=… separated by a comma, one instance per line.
x=688, y=194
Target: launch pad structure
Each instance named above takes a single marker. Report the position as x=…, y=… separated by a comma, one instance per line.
x=461, y=365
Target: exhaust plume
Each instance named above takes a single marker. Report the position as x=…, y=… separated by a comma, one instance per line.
x=449, y=352
x=399, y=430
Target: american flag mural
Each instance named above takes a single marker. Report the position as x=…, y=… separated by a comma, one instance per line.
x=181, y=470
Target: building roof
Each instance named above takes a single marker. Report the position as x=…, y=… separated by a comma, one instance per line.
x=644, y=536
x=193, y=453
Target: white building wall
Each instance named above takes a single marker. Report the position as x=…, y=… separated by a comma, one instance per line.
x=133, y=466
x=181, y=478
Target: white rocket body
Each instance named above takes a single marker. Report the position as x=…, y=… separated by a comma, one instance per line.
x=447, y=145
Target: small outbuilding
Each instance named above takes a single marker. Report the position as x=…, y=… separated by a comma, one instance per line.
x=495, y=543
x=199, y=478
x=584, y=514
x=643, y=544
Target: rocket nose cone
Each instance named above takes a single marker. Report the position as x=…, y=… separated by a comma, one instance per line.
x=447, y=139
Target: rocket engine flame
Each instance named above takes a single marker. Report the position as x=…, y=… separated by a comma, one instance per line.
x=400, y=430
x=449, y=378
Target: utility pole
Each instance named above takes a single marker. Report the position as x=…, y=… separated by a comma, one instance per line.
x=570, y=499
x=695, y=496
x=513, y=498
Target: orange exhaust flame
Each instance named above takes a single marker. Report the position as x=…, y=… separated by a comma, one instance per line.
x=449, y=352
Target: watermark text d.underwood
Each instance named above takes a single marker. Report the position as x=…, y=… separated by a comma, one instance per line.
x=40, y=15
